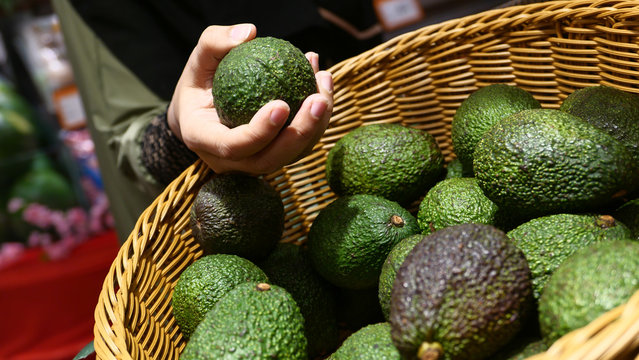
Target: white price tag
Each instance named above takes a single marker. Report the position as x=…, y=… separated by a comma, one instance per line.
x=394, y=14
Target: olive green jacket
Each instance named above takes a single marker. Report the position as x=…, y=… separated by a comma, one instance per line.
x=118, y=108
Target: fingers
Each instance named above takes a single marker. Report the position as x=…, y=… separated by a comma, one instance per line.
x=206, y=135
x=213, y=44
x=313, y=58
x=292, y=142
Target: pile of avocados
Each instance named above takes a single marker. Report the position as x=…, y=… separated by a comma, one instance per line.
x=494, y=255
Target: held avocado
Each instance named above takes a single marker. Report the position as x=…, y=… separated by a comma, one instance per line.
x=542, y=161
x=462, y=293
x=256, y=72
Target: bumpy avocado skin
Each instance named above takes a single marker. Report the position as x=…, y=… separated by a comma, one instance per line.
x=203, y=283
x=549, y=240
x=237, y=214
x=480, y=111
x=289, y=266
x=610, y=109
x=372, y=342
x=390, y=160
x=256, y=72
x=466, y=288
x=351, y=237
x=389, y=269
x=543, y=161
x=592, y=281
x=250, y=323
x=455, y=201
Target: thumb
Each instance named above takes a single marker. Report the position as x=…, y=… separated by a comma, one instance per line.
x=214, y=43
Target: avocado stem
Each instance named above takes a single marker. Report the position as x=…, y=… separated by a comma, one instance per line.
x=605, y=221
x=263, y=287
x=397, y=220
x=430, y=351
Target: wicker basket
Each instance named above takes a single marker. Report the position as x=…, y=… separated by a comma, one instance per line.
x=417, y=79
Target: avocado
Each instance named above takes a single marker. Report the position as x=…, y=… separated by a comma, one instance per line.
x=237, y=214
x=549, y=240
x=462, y=293
x=628, y=214
x=479, y=111
x=256, y=72
x=351, y=237
x=372, y=342
x=203, y=283
x=289, y=266
x=543, y=161
x=610, y=109
x=455, y=201
x=392, y=263
x=455, y=169
x=591, y=282
x=393, y=161
x=254, y=321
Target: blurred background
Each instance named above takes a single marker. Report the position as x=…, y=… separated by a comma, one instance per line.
x=56, y=233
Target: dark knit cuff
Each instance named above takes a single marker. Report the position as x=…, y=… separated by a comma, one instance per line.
x=163, y=155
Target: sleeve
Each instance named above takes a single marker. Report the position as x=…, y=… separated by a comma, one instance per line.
x=121, y=111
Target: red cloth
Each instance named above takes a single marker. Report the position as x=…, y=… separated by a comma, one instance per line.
x=46, y=308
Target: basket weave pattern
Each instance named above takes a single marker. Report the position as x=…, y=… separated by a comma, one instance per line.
x=417, y=79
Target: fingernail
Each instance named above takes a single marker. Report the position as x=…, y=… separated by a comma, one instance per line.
x=318, y=108
x=241, y=32
x=326, y=80
x=278, y=116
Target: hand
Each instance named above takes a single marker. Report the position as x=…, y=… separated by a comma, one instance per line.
x=256, y=148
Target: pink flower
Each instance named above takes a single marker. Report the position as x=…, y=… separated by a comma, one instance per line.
x=38, y=215
x=15, y=204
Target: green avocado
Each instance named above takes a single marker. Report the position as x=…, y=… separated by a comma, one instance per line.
x=589, y=283
x=389, y=160
x=372, y=342
x=393, y=261
x=455, y=169
x=256, y=72
x=237, y=214
x=549, y=240
x=462, y=293
x=351, y=237
x=289, y=266
x=455, y=201
x=610, y=109
x=479, y=111
x=203, y=283
x=542, y=161
x=254, y=321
